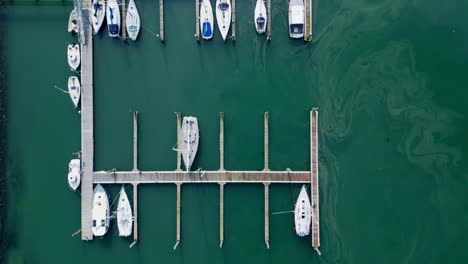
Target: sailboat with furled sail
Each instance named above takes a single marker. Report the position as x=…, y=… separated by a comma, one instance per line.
x=188, y=139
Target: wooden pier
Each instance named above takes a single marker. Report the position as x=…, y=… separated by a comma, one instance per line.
x=87, y=130
x=124, y=21
x=269, y=19
x=308, y=20
x=161, y=20
x=233, y=19
x=197, y=20
x=314, y=189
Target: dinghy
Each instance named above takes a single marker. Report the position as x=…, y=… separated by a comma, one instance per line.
x=113, y=18
x=303, y=213
x=296, y=19
x=74, y=174
x=188, y=140
x=206, y=19
x=73, y=21
x=260, y=17
x=98, y=14
x=73, y=56
x=100, y=212
x=124, y=214
x=74, y=90
x=223, y=16
x=133, y=21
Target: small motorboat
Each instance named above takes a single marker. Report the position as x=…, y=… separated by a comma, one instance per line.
x=303, y=213
x=73, y=21
x=296, y=19
x=113, y=18
x=100, y=211
x=223, y=16
x=73, y=56
x=74, y=90
x=206, y=19
x=74, y=174
x=98, y=14
x=133, y=21
x=188, y=140
x=124, y=214
x=260, y=17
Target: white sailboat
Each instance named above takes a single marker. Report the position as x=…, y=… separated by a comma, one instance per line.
x=188, y=140
x=74, y=90
x=100, y=212
x=206, y=19
x=133, y=21
x=296, y=19
x=73, y=21
x=260, y=17
x=98, y=14
x=74, y=174
x=73, y=56
x=223, y=16
x=124, y=214
x=113, y=18
x=303, y=213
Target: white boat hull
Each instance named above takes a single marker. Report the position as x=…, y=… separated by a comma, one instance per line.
x=132, y=21
x=98, y=12
x=223, y=16
x=74, y=174
x=74, y=90
x=296, y=19
x=113, y=18
x=188, y=140
x=303, y=213
x=73, y=21
x=206, y=20
x=73, y=56
x=124, y=215
x=100, y=212
x=260, y=17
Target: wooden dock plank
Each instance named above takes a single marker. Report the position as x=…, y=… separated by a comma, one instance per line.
x=314, y=179
x=87, y=131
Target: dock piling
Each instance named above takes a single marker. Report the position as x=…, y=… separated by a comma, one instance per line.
x=221, y=214
x=221, y=141
x=265, y=122
x=269, y=18
x=135, y=141
x=179, y=157
x=197, y=20
x=161, y=20
x=178, y=216
x=267, y=215
x=233, y=20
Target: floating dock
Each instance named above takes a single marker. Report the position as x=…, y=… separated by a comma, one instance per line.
x=161, y=20
x=308, y=20
x=269, y=19
x=124, y=20
x=197, y=20
x=233, y=19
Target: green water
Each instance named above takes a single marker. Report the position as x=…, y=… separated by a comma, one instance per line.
x=389, y=79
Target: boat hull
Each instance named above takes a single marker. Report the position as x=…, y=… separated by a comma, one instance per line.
x=73, y=56
x=98, y=14
x=74, y=174
x=113, y=18
x=223, y=16
x=124, y=215
x=206, y=20
x=296, y=19
x=188, y=140
x=74, y=90
x=303, y=214
x=73, y=21
x=260, y=17
x=132, y=21
x=100, y=211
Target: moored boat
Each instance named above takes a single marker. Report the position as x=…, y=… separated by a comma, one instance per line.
x=260, y=17
x=73, y=21
x=113, y=18
x=98, y=14
x=303, y=213
x=74, y=174
x=188, y=140
x=74, y=90
x=124, y=214
x=132, y=21
x=223, y=16
x=206, y=19
x=100, y=211
x=296, y=19
x=73, y=56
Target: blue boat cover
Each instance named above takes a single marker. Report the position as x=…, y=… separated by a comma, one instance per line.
x=261, y=20
x=297, y=28
x=223, y=6
x=114, y=29
x=206, y=29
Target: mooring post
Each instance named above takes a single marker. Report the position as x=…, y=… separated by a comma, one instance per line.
x=267, y=215
x=178, y=216
x=221, y=141
x=161, y=20
x=135, y=141
x=266, y=167
x=135, y=215
x=221, y=214
x=178, y=143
